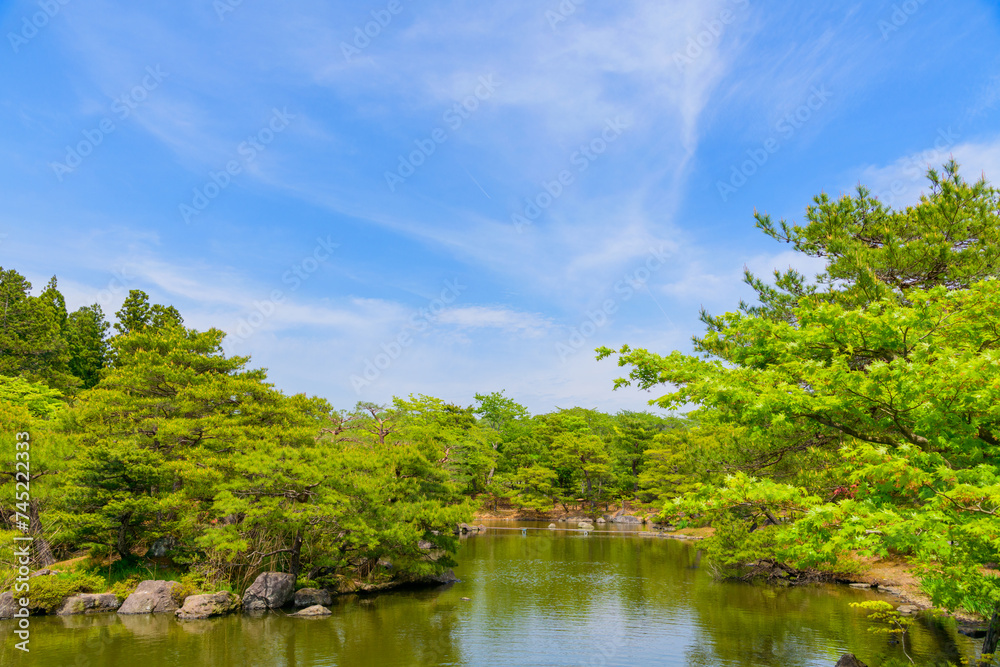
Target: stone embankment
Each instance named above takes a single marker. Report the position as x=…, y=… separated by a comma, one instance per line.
x=270, y=591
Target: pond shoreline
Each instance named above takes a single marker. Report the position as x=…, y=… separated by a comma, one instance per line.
x=892, y=576
x=575, y=595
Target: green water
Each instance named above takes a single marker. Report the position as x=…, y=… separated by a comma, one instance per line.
x=540, y=599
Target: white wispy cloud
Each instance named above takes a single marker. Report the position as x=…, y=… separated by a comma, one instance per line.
x=477, y=317
x=902, y=182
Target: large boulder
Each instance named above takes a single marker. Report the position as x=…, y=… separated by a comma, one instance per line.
x=162, y=547
x=208, y=605
x=309, y=597
x=153, y=597
x=7, y=605
x=848, y=660
x=271, y=590
x=628, y=519
x=89, y=603
x=312, y=612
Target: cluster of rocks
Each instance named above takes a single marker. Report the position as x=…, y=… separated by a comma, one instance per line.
x=270, y=591
x=464, y=529
x=617, y=517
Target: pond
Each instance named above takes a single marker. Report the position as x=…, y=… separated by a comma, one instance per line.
x=544, y=598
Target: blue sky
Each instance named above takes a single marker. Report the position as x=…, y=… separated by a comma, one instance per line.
x=472, y=196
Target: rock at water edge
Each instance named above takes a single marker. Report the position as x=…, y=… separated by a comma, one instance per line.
x=313, y=611
x=208, y=605
x=89, y=603
x=270, y=590
x=446, y=577
x=310, y=597
x=7, y=605
x=152, y=597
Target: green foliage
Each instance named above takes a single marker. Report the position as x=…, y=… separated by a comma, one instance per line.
x=679, y=461
x=399, y=487
x=8, y=562
x=125, y=587
x=951, y=239
x=49, y=591
x=136, y=314
x=535, y=488
x=86, y=335
x=32, y=344
x=40, y=400
x=737, y=547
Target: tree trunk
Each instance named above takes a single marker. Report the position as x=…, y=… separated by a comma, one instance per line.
x=123, y=547
x=991, y=639
x=489, y=477
x=43, y=551
x=296, y=564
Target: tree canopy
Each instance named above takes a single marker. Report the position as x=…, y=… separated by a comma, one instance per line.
x=878, y=382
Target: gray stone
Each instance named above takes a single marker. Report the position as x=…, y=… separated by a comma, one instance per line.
x=848, y=660
x=310, y=597
x=628, y=519
x=313, y=612
x=89, y=603
x=861, y=585
x=552, y=526
x=585, y=525
x=270, y=590
x=446, y=577
x=162, y=547
x=601, y=520
x=424, y=545
x=208, y=605
x=7, y=605
x=153, y=597
x=907, y=609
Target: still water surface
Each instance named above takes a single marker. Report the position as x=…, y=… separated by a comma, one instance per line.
x=541, y=599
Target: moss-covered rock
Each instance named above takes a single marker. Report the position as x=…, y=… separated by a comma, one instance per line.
x=208, y=605
x=89, y=603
